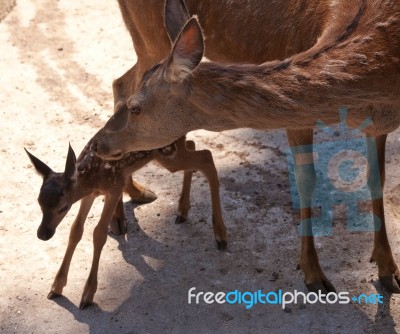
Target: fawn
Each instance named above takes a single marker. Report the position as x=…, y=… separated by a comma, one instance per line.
x=89, y=176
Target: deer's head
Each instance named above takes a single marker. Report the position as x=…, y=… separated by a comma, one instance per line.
x=159, y=112
x=56, y=194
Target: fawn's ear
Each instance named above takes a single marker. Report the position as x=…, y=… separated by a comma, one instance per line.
x=176, y=15
x=186, y=53
x=70, y=165
x=42, y=169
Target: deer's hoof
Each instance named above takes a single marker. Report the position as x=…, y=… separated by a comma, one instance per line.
x=84, y=304
x=53, y=295
x=391, y=283
x=222, y=245
x=118, y=226
x=180, y=219
x=325, y=286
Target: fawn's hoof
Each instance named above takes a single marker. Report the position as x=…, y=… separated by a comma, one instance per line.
x=222, y=245
x=180, y=219
x=84, y=304
x=391, y=283
x=146, y=197
x=118, y=226
x=53, y=295
x=325, y=286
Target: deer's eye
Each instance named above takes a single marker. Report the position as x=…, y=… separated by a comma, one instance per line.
x=63, y=210
x=135, y=110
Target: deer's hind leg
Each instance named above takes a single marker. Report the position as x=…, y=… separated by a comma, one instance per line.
x=184, y=199
x=118, y=224
x=315, y=278
x=139, y=195
x=388, y=271
x=75, y=235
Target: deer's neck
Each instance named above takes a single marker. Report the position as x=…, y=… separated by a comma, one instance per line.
x=355, y=67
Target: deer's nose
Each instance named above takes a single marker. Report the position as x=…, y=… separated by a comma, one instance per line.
x=104, y=151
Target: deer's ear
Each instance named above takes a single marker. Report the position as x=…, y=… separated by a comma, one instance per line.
x=186, y=52
x=176, y=15
x=42, y=169
x=70, y=165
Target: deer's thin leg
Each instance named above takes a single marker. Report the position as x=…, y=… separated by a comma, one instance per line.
x=184, y=199
x=315, y=279
x=118, y=224
x=382, y=254
x=99, y=239
x=203, y=162
x=75, y=236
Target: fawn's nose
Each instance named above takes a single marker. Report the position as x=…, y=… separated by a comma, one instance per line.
x=45, y=233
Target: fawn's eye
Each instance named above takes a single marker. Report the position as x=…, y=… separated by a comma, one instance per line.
x=135, y=110
x=63, y=210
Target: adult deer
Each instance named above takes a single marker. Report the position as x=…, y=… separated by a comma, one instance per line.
x=352, y=59
x=90, y=177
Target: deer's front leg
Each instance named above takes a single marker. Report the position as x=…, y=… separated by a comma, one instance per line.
x=99, y=239
x=315, y=279
x=122, y=90
x=75, y=236
x=388, y=272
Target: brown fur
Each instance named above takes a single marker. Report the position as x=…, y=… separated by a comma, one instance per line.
x=91, y=176
x=330, y=53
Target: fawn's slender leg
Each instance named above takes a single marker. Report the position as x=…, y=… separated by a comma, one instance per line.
x=99, y=239
x=118, y=225
x=75, y=236
x=184, y=199
x=388, y=272
x=138, y=193
x=203, y=162
x=314, y=279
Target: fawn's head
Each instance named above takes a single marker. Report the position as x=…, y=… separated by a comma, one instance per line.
x=56, y=194
x=158, y=113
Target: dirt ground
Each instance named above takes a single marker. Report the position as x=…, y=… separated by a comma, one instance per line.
x=57, y=63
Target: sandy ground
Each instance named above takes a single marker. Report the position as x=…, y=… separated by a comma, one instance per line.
x=57, y=62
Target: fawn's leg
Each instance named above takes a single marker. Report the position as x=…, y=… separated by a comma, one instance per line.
x=99, y=239
x=118, y=225
x=138, y=193
x=314, y=279
x=202, y=161
x=388, y=272
x=184, y=199
x=75, y=236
